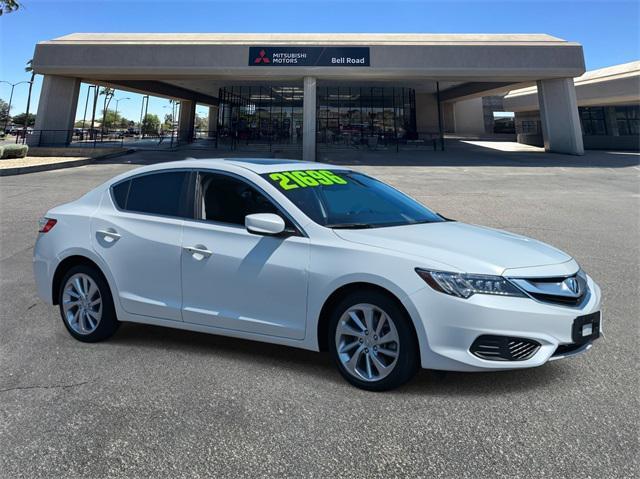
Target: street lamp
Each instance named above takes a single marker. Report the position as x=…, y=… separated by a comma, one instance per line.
x=13, y=85
x=118, y=101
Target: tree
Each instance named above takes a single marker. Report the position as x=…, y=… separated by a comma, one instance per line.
x=168, y=122
x=29, y=69
x=124, y=123
x=150, y=124
x=202, y=123
x=20, y=119
x=8, y=6
x=4, y=111
x=111, y=119
x=108, y=95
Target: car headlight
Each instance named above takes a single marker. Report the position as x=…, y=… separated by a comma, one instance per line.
x=466, y=285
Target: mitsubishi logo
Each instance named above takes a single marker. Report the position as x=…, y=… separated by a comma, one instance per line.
x=262, y=58
x=572, y=285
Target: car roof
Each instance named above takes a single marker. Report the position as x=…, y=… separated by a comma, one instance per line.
x=257, y=165
x=268, y=165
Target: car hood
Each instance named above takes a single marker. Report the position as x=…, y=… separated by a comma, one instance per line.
x=467, y=248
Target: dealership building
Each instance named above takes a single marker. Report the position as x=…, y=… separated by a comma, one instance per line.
x=314, y=90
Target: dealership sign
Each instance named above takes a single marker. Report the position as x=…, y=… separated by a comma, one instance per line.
x=309, y=56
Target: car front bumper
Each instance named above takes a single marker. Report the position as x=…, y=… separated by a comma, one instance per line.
x=452, y=325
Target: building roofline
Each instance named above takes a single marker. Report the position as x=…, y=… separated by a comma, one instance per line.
x=311, y=39
x=605, y=74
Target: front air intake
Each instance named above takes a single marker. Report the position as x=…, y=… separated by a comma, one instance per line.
x=504, y=348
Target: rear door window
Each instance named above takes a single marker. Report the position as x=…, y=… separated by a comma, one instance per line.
x=165, y=193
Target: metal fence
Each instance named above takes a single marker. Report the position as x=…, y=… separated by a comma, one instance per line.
x=349, y=140
x=225, y=140
x=77, y=138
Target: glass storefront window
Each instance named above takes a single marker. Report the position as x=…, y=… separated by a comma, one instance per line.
x=628, y=120
x=529, y=127
x=353, y=116
x=347, y=116
x=592, y=120
x=261, y=114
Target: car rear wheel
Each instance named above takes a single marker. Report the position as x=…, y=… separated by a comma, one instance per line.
x=86, y=305
x=373, y=342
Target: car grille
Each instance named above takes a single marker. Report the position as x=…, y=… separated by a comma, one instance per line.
x=504, y=348
x=565, y=291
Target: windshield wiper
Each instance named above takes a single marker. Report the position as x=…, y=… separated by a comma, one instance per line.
x=346, y=226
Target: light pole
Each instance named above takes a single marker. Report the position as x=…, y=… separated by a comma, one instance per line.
x=93, y=113
x=13, y=85
x=145, y=99
x=118, y=100
x=86, y=104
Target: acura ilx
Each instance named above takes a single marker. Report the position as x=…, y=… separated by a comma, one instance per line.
x=313, y=256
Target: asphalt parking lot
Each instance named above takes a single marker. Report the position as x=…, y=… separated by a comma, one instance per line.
x=155, y=402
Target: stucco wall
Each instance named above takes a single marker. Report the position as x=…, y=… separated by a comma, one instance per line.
x=469, y=116
x=426, y=113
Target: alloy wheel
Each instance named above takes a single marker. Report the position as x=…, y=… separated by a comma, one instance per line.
x=82, y=304
x=367, y=342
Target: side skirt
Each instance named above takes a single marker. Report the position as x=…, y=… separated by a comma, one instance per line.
x=168, y=323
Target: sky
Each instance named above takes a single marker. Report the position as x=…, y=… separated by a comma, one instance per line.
x=608, y=30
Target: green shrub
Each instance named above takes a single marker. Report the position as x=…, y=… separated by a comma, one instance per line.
x=14, y=151
x=1, y=151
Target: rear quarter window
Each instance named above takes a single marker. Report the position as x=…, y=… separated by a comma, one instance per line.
x=119, y=194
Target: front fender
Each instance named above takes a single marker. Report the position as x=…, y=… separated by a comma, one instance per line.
x=318, y=299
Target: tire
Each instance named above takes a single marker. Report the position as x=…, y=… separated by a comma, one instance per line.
x=388, y=348
x=86, y=305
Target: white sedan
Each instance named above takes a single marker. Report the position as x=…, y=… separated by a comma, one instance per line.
x=312, y=256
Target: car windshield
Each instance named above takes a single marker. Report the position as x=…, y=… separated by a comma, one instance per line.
x=349, y=200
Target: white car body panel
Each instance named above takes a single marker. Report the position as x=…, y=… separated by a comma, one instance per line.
x=250, y=283
x=273, y=289
x=461, y=246
x=149, y=248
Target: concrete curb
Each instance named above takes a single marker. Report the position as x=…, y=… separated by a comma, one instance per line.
x=21, y=170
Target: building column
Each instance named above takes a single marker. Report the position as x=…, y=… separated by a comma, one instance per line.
x=559, y=116
x=309, y=120
x=213, y=121
x=56, y=111
x=186, y=120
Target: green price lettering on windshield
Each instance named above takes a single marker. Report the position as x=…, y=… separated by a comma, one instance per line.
x=288, y=180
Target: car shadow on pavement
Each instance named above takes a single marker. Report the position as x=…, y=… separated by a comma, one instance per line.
x=440, y=383
x=242, y=350
x=321, y=366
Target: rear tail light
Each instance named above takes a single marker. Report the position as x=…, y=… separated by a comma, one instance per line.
x=46, y=224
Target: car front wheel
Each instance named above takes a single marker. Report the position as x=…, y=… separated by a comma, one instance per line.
x=86, y=305
x=373, y=342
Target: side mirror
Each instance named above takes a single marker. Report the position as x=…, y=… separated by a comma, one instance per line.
x=264, y=224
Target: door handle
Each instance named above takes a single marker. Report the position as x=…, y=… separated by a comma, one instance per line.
x=110, y=235
x=198, y=250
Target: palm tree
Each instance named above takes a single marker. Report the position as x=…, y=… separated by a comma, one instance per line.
x=8, y=6
x=108, y=95
x=29, y=69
